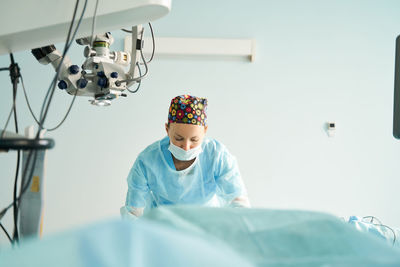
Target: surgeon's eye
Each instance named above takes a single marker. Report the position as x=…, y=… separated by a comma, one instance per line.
x=178, y=139
x=194, y=140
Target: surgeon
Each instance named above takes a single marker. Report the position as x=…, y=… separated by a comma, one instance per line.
x=185, y=167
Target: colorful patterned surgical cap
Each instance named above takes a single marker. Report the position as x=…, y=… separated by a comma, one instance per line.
x=188, y=109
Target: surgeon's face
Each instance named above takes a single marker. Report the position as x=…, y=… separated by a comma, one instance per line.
x=186, y=136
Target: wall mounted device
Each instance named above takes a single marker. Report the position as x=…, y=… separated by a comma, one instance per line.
x=331, y=129
x=396, y=102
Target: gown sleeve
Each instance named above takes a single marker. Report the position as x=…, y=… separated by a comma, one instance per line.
x=227, y=175
x=138, y=188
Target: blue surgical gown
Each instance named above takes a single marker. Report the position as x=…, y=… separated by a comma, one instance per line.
x=212, y=180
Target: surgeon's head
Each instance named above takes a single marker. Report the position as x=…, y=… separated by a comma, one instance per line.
x=187, y=121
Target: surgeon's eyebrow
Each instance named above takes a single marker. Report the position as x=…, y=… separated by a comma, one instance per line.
x=180, y=136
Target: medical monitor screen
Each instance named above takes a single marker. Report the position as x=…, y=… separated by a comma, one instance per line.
x=396, y=108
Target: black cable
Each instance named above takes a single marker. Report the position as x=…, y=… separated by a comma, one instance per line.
x=27, y=101
x=14, y=75
x=5, y=231
x=23, y=187
x=15, y=206
x=22, y=191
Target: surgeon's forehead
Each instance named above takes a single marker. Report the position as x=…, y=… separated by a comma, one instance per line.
x=187, y=130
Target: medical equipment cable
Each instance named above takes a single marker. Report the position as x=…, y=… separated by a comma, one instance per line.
x=372, y=219
x=14, y=75
x=394, y=233
x=383, y=225
x=22, y=191
x=8, y=120
x=5, y=231
x=11, y=111
x=15, y=206
x=93, y=23
x=154, y=44
x=33, y=115
x=66, y=115
x=27, y=101
x=145, y=66
x=139, y=83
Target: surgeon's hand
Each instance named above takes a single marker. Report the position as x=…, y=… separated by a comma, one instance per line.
x=240, y=202
x=131, y=213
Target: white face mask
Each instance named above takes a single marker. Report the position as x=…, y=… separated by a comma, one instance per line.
x=182, y=154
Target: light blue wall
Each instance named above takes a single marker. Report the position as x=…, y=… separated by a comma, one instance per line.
x=316, y=61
